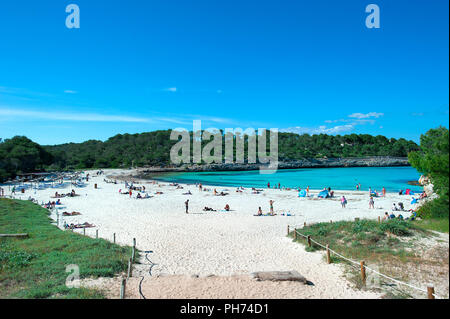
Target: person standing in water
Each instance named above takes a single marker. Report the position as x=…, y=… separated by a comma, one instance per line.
x=187, y=206
x=384, y=192
x=268, y=184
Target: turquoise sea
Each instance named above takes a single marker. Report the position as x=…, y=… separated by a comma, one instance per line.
x=346, y=178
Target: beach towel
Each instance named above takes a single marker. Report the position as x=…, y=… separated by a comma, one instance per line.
x=323, y=194
x=266, y=215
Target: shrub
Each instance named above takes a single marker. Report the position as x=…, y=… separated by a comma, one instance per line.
x=396, y=226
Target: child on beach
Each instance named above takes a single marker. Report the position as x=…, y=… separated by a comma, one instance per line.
x=343, y=201
x=259, y=211
x=371, y=202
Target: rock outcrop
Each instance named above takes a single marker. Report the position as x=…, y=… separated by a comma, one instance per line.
x=303, y=163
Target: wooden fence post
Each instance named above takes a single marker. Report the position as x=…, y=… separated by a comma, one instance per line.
x=84, y=231
x=133, y=251
x=309, y=241
x=130, y=271
x=304, y=224
x=122, y=288
x=96, y=233
x=288, y=230
x=328, y=254
x=363, y=272
x=295, y=233
x=430, y=292
x=379, y=219
x=114, y=238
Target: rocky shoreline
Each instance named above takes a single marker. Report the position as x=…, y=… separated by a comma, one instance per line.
x=381, y=161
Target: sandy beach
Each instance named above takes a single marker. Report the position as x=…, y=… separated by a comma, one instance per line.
x=214, y=245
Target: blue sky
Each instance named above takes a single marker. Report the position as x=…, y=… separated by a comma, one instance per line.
x=302, y=66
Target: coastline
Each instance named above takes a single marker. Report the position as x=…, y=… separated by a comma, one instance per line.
x=215, y=246
x=373, y=161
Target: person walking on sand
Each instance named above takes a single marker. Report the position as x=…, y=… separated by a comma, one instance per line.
x=371, y=202
x=343, y=201
x=131, y=193
x=271, y=206
x=384, y=192
x=187, y=206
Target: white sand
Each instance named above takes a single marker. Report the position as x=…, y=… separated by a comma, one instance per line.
x=220, y=243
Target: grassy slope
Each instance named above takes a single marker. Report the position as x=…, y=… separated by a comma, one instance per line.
x=390, y=245
x=36, y=267
x=436, y=224
x=362, y=240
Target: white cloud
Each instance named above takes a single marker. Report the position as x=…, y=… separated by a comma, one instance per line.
x=365, y=116
x=14, y=113
x=174, y=89
x=70, y=92
x=84, y=117
x=319, y=130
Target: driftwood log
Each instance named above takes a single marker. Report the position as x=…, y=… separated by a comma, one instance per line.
x=280, y=276
x=14, y=235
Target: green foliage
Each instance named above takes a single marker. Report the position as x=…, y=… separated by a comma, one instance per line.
x=35, y=267
x=363, y=239
x=21, y=155
x=153, y=149
x=433, y=160
x=396, y=226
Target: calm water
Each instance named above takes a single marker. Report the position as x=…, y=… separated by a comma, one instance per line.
x=392, y=178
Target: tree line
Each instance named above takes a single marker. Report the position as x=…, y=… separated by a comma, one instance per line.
x=21, y=155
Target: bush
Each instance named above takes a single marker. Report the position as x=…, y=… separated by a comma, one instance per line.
x=396, y=226
x=437, y=208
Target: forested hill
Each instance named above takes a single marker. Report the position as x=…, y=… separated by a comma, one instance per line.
x=21, y=155
x=153, y=149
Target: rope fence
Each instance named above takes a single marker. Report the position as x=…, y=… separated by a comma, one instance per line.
x=361, y=265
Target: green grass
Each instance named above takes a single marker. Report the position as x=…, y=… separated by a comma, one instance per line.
x=35, y=267
x=365, y=239
x=436, y=224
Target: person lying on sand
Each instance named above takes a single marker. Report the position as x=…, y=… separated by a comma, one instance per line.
x=208, y=209
x=139, y=196
x=188, y=193
x=71, y=214
x=159, y=193
x=84, y=225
